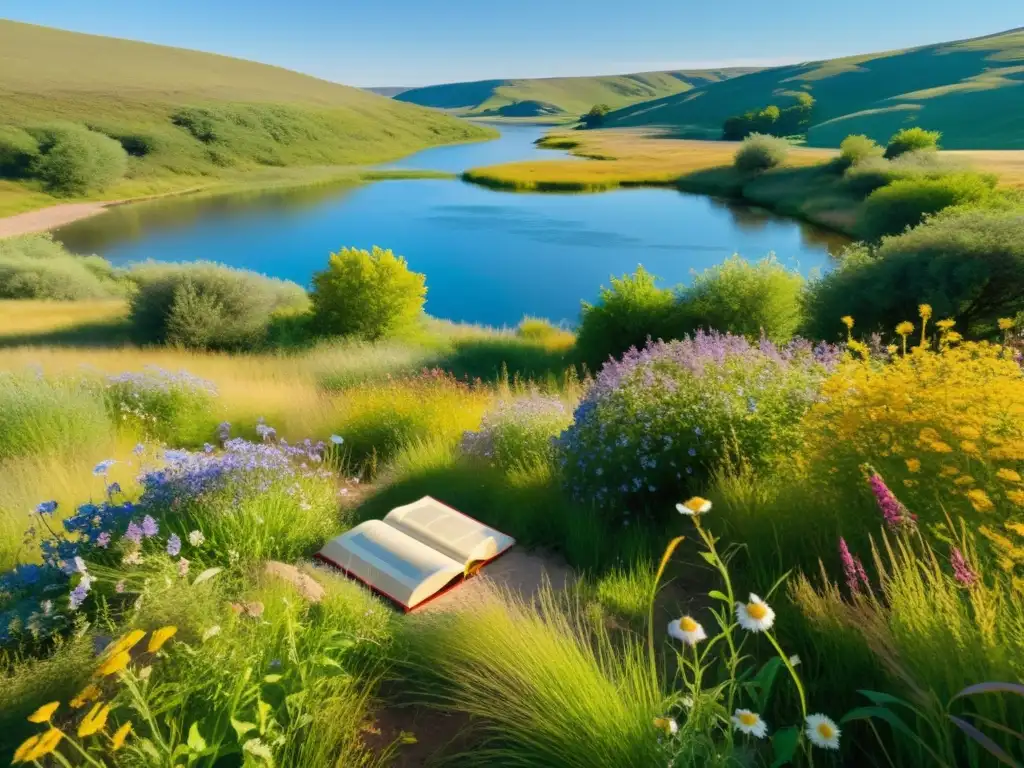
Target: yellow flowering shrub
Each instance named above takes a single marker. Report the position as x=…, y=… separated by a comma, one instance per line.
x=943, y=424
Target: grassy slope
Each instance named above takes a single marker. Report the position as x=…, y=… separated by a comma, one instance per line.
x=568, y=96
x=972, y=91
x=263, y=116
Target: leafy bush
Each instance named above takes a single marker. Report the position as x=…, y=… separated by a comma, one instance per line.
x=539, y=329
x=520, y=432
x=661, y=420
x=912, y=140
x=74, y=160
x=905, y=203
x=633, y=310
x=874, y=172
x=207, y=305
x=38, y=267
x=595, y=117
x=772, y=120
x=370, y=295
x=967, y=264
x=44, y=416
x=175, y=408
x=760, y=152
x=18, y=152
x=751, y=300
x=856, y=149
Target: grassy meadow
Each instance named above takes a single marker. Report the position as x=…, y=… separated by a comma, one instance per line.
x=967, y=89
x=189, y=120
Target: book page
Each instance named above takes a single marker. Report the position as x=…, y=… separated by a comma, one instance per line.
x=462, y=538
x=391, y=561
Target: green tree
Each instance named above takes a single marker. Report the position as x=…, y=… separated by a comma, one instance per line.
x=367, y=294
x=760, y=152
x=912, y=140
x=74, y=160
x=856, y=149
x=595, y=117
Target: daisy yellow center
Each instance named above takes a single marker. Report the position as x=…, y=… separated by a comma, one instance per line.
x=825, y=731
x=756, y=611
x=748, y=719
x=696, y=502
x=687, y=624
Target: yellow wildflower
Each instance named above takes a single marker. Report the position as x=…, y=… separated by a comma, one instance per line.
x=114, y=664
x=905, y=328
x=946, y=324
x=914, y=465
x=1005, y=324
x=892, y=349
x=858, y=347
x=1017, y=497
x=117, y=740
x=1009, y=475
x=94, y=721
x=160, y=636
x=964, y=480
x=847, y=321
x=22, y=752
x=971, y=433
x=46, y=744
x=1017, y=528
x=948, y=471
x=44, y=713
x=970, y=447
x=125, y=643
x=925, y=310
x=940, y=447
x=952, y=337
x=87, y=694
x=980, y=500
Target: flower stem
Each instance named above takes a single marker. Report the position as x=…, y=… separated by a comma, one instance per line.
x=792, y=673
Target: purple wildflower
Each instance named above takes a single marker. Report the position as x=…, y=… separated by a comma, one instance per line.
x=207, y=448
x=79, y=593
x=895, y=514
x=174, y=545
x=47, y=508
x=961, y=570
x=150, y=527
x=224, y=431
x=853, y=568
x=134, y=533
x=103, y=540
x=139, y=449
x=337, y=439
x=113, y=488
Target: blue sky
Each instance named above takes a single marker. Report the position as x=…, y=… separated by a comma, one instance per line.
x=419, y=42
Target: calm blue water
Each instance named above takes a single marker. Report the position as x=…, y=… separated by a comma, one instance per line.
x=489, y=256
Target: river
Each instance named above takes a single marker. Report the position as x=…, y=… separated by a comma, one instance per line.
x=489, y=256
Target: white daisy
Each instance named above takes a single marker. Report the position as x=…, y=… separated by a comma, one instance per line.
x=755, y=616
x=196, y=538
x=794, y=660
x=687, y=630
x=694, y=506
x=666, y=724
x=750, y=723
x=822, y=731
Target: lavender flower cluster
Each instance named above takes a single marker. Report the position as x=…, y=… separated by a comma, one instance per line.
x=161, y=404
x=658, y=421
x=521, y=431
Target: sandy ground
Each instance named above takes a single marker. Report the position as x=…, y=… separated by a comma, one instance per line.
x=48, y=218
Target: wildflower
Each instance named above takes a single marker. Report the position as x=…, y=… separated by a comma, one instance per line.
x=1005, y=324
x=46, y=744
x=925, y=310
x=79, y=593
x=687, y=630
x=847, y=321
x=183, y=565
x=849, y=566
x=964, y=480
x=794, y=660
x=1017, y=497
x=905, y=328
x=1009, y=475
x=114, y=664
x=117, y=740
x=694, y=506
x=750, y=723
x=103, y=467
x=208, y=448
x=337, y=439
x=980, y=500
x=756, y=615
x=822, y=731
x=160, y=636
x=139, y=449
x=125, y=643
x=103, y=540
x=952, y=337
x=196, y=538
x=46, y=507
x=173, y=545
x=25, y=749
x=44, y=713
x=666, y=724
x=892, y=349
x=132, y=558
x=94, y=721
x=895, y=514
x=133, y=534
x=119, y=587
x=961, y=570
x=149, y=527
x=914, y=465
x=90, y=693
x=946, y=324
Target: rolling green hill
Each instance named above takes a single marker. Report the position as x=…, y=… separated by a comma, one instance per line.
x=183, y=115
x=559, y=96
x=971, y=90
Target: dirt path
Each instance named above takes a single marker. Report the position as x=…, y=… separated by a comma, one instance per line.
x=48, y=218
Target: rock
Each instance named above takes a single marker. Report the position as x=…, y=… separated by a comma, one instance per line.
x=306, y=585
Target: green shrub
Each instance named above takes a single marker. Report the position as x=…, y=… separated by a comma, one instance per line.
x=74, y=160
x=173, y=408
x=369, y=295
x=760, y=152
x=874, y=172
x=905, y=203
x=520, y=432
x=967, y=264
x=912, y=140
x=207, y=305
x=633, y=310
x=42, y=416
x=856, y=149
x=18, y=152
x=744, y=298
x=38, y=267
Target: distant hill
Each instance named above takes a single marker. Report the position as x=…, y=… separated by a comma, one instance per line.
x=388, y=91
x=567, y=96
x=184, y=113
x=971, y=90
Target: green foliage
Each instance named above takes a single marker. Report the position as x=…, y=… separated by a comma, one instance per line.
x=905, y=203
x=520, y=432
x=967, y=264
x=74, y=160
x=19, y=150
x=38, y=267
x=170, y=408
x=771, y=120
x=744, y=298
x=207, y=305
x=759, y=152
x=625, y=591
x=368, y=295
x=856, y=149
x=626, y=315
x=43, y=416
x=912, y=140
x=595, y=117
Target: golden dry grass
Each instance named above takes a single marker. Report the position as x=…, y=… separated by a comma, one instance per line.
x=21, y=317
x=1007, y=164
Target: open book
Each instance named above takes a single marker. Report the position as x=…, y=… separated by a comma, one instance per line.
x=415, y=551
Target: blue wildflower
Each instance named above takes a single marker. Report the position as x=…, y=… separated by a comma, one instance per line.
x=47, y=508
x=133, y=534
x=337, y=439
x=207, y=448
x=150, y=527
x=79, y=593
x=139, y=449
x=174, y=545
x=692, y=451
x=103, y=467
x=113, y=488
